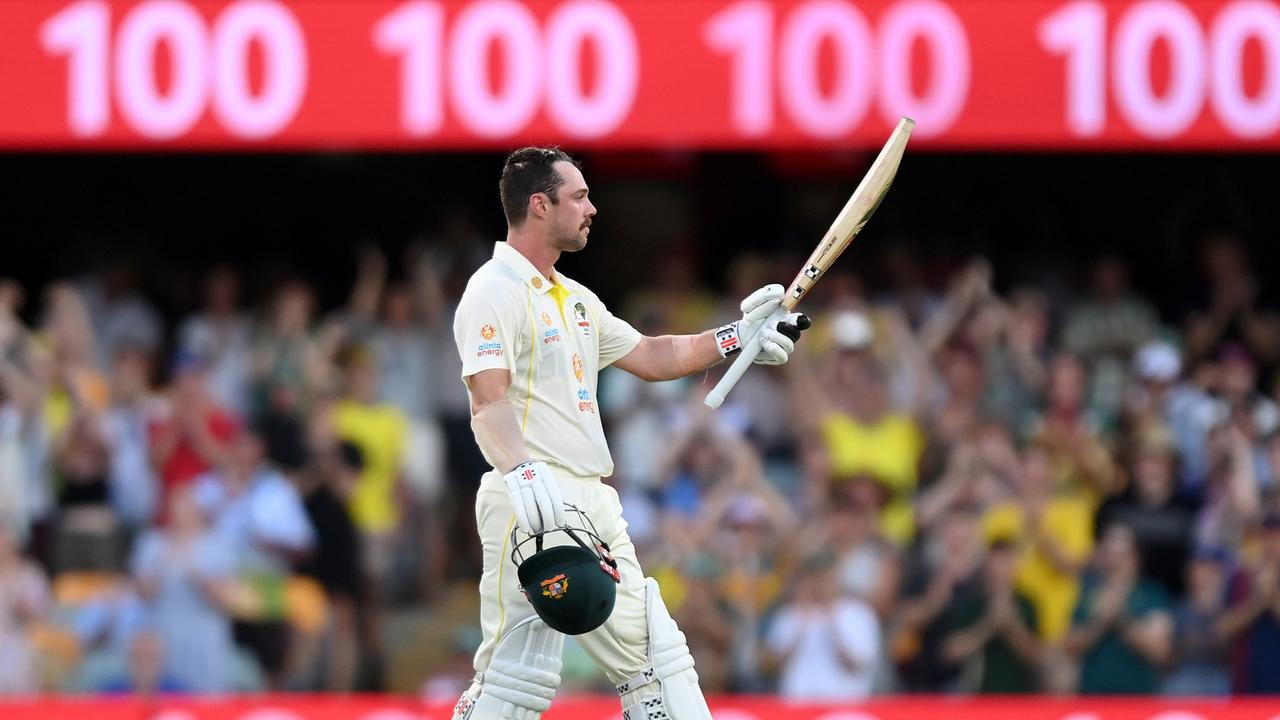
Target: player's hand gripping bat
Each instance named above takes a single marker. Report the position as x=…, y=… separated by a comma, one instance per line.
x=855, y=214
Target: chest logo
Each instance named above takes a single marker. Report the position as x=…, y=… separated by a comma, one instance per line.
x=546, y=319
x=578, y=372
x=580, y=317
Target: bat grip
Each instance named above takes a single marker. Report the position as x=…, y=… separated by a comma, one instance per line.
x=750, y=351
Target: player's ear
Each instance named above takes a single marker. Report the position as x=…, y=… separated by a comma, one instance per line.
x=538, y=204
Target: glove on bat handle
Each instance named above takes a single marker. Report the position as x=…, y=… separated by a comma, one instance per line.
x=750, y=351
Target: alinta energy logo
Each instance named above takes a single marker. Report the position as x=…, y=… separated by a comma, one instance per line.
x=490, y=347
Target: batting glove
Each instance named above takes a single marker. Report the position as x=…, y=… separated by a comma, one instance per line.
x=756, y=308
x=535, y=497
x=779, y=335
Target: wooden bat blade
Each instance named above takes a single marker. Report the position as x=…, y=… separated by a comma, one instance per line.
x=855, y=214
x=861, y=205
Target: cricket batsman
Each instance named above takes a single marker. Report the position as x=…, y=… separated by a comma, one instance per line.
x=532, y=343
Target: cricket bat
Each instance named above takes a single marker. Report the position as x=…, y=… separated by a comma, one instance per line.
x=864, y=201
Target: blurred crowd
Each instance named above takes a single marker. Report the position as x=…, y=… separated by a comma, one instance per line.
x=949, y=489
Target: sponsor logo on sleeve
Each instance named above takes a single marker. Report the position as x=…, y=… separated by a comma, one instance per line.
x=489, y=347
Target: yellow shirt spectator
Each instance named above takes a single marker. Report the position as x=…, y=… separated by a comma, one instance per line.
x=1069, y=522
x=379, y=431
x=888, y=450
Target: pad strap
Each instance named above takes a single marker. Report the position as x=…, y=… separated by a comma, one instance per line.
x=667, y=688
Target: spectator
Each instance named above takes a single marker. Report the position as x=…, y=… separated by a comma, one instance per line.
x=23, y=434
x=996, y=629
x=257, y=514
x=378, y=430
x=948, y=576
x=24, y=602
x=404, y=351
x=1162, y=521
x=1071, y=433
x=132, y=482
x=1054, y=532
x=289, y=364
x=185, y=573
x=749, y=524
x=1106, y=329
x=825, y=646
x=866, y=566
x=1232, y=501
x=75, y=381
x=1200, y=665
x=221, y=333
x=120, y=314
x=1254, y=618
x=196, y=433
x=326, y=484
x=1122, y=630
x=1253, y=412
x=1235, y=312
x=708, y=619
x=980, y=473
x=87, y=528
x=1017, y=366
x=847, y=405
x=1161, y=402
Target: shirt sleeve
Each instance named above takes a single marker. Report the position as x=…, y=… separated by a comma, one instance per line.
x=488, y=328
x=617, y=337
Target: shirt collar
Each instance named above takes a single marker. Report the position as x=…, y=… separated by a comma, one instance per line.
x=522, y=267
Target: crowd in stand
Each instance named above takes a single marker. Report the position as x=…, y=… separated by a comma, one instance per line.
x=948, y=489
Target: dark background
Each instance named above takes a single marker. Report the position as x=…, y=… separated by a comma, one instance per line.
x=1038, y=217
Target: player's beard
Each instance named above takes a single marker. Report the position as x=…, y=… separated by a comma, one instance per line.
x=574, y=242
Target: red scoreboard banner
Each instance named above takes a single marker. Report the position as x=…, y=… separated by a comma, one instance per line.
x=748, y=74
x=602, y=708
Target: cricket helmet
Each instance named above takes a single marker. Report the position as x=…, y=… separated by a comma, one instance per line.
x=573, y=586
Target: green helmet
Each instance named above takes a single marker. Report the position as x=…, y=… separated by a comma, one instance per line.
x=571, y=587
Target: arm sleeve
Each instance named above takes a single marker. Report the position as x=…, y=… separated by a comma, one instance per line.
x=488, y=328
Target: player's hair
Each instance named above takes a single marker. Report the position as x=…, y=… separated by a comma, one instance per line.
x=527, y=171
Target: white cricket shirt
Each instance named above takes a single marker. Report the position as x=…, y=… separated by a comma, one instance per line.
x=555, y=336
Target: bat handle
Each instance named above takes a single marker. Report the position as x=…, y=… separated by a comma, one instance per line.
x=750, y=351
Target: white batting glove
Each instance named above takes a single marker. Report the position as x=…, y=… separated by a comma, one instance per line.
x=779, y=335
x=756, y=308
x=535, y=497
